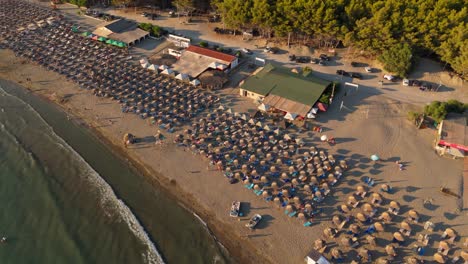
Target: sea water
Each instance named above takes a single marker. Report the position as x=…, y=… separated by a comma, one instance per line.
x=66, y=198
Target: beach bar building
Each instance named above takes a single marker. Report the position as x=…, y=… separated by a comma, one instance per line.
x=452, y=136
x=195, y=60
x=122, y=30
x=280, y=89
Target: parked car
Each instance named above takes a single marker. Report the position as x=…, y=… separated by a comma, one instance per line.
x=246, y=51
x=303, y=59
x=342, y=72
x=354, y=64
x=356, y=75
x=415, y=83
x=406, y=82
x=368, y=69
x=322, y=63
x=272, y=50
x=324, y=57
x=389, y=77
x=292, y=57
x=315, y=61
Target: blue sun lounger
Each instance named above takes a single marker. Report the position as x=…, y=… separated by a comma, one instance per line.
x=308, y=223
x=292, y=214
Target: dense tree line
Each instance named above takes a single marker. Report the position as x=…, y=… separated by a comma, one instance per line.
x=436, y=28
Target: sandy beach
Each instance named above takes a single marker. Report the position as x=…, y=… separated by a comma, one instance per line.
x=373, y=124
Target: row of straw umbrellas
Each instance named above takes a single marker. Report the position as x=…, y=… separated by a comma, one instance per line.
x=368, y=223
x=105, y=70
x=273, y=164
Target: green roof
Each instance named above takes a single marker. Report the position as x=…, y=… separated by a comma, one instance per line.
x=280, y=81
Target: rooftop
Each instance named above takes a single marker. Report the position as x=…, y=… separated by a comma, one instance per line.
x=283, y=84
x=454, y=131
x=226, y=58
x=120, y=29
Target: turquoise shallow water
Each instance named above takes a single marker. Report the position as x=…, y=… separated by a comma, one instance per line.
x=66, y=198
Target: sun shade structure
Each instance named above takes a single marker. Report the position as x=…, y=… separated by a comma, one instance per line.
x=284, y=90
x=122, y=30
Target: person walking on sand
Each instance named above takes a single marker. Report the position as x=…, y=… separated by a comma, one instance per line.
x=399, y=164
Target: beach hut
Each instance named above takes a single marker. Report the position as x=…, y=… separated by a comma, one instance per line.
x=183, y=77
x=195, y=82
x=168, y=72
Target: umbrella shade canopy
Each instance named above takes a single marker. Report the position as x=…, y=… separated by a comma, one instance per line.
x=324, y=138
x=153, y=67
x=444, y=245
x=379, y=227
x=168, y=71
x=374, y=157
x=398, y=236
x=163, y=67
x=263, y=107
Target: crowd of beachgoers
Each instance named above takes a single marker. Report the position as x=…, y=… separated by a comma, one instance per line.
x=278, y=167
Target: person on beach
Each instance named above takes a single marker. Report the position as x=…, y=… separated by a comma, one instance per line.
x=399, y=164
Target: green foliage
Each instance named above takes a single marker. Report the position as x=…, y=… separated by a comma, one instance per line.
x=153, y=29
x=397, y=59
x=439, y=110
x=306, y=70
x=431, y=27
x=413, y=116
x=203, y=44
x=327, y=94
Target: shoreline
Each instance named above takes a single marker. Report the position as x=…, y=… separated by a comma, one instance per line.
x=217, y=229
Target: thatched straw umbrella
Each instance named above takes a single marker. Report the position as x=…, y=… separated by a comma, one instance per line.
x=439, y=258
x=336, y=220
x=265, y=194
x=412, y=260
x=398, y=237
x=317, y=160
x=297, y=201
x=277, y=201
x=385, y=216
x=371, y=240
x=295, y=182
x=307, y=188
x=385, y=187
x=289, y=208
x=383, y=261
x=450, y=234
x=405, y=226
x=390, y=249
x=301, y=217
x=352, y=201
x=308, y=207
x=328, y=232
x=443, y=247
x=379, y=227
x=354, y=229
x=319, y=243
x=361, y=217
x=274, y=185
x=279, y=162
x=237, y=176
x=320, y=172
x=345, y=242
x=285, y=192
x=364, y=253
x=264, y=179
x=464, y=255
x=256, y=187
x=343, y=164
x=345, y=208
x=336, y=253
x=314, y=180
x=360, y=190
x=376, y=199
x=367, y=208
x=246, y=181
x=413, y=216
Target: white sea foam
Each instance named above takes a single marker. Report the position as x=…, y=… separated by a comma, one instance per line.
x=109, y=201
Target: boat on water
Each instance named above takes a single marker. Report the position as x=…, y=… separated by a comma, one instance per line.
x=3, y=240
x=254, y=221
x=235, y=209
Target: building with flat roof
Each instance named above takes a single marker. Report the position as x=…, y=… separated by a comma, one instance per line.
x=196, y=60
x=281, y=89
x=452, y=137
x=121, y=30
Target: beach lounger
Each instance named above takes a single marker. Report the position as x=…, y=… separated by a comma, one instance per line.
x=308, y=223
x=292, y=214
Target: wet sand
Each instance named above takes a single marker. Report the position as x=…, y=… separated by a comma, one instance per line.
x=373, y=124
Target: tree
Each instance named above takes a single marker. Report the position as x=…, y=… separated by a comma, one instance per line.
x=397, y=59
x=184, y=6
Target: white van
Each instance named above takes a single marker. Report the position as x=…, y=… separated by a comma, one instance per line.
x=406, y=82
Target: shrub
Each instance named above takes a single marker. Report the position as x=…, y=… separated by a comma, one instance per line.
x=413, y=116
x=439, y=110
x=203, y=44
x=397, y=59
